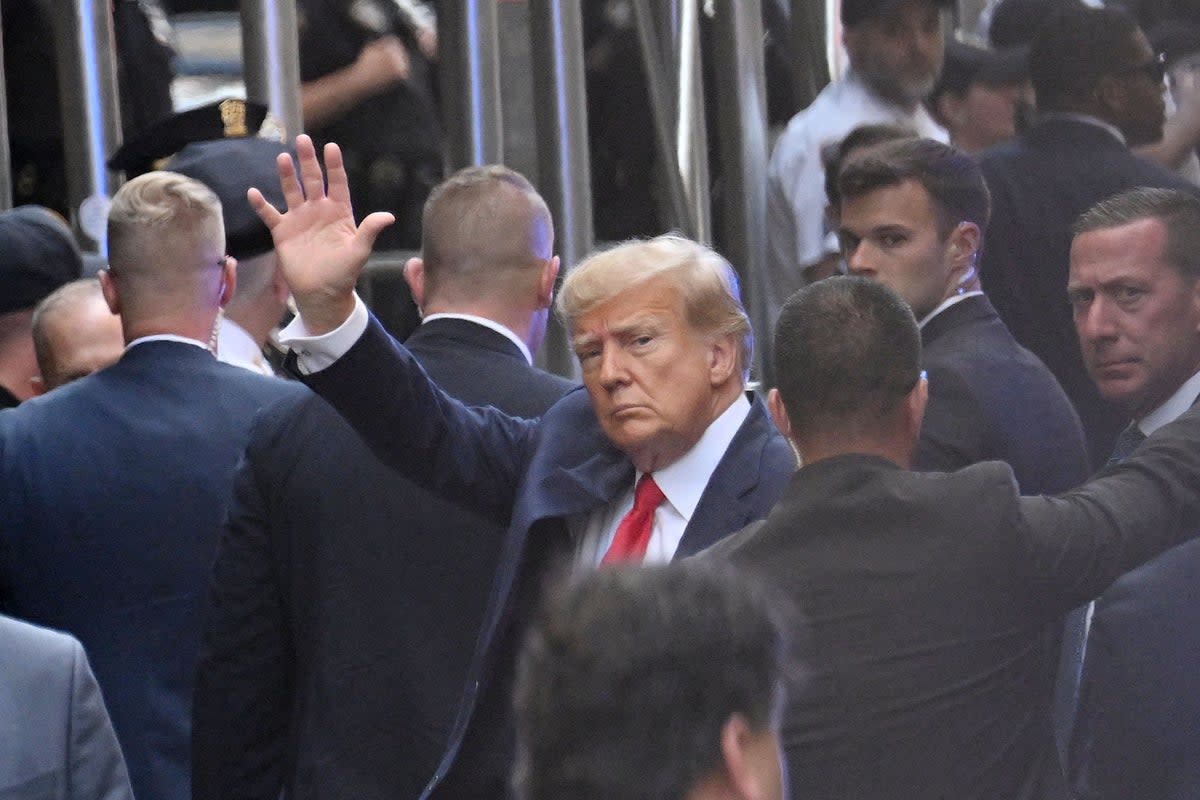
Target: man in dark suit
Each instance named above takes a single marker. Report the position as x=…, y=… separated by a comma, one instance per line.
x=912, y=216
x=925, y=595
x=660, y=457
x=115, y=486
x=1099, y=92
x=372, y=594
x=1135, y=291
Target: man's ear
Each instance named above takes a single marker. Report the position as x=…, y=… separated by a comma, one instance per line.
x=1110, y=95
x=108, y=288
x=722, y=359
x=779, y=413
x=547, y=282
x=914, y=406
x=39, y=385
x=749, y=758
x=228, y=280
x=414, y=276
x=964, y=244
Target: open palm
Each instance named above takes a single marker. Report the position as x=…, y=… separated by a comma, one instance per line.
x=320, y=249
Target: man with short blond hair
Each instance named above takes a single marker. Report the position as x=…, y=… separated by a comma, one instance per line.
x=115, y=486
x=663, y=456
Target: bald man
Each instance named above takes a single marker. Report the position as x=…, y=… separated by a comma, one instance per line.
x=74, y=334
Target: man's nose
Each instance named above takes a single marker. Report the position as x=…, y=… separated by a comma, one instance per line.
x=612, y=367
x=1096, y=322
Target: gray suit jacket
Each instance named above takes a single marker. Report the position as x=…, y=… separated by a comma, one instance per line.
x=58, y=740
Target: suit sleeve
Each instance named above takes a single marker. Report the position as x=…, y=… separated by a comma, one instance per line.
x=240, y=708
x=1083, y=540
x=953, y=428
x=474, y=456
x=1111, y=757
x=97, y=768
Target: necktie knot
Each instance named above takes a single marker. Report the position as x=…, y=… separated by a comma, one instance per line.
x=633, y=534
x=647, y=494
x=1127, y=442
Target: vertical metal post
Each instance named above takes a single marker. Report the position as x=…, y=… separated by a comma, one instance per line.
x=556, y=30
x=742, y=121
x=810, y=47
x=691, y=134
x=6, y=198
x=271, y=60
x=470, y=76
x=662, y=90
x=87, y=69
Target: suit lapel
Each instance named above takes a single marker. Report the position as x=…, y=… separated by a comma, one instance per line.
x=725, y=507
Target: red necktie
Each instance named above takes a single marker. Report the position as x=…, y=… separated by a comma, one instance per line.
x=633, y=534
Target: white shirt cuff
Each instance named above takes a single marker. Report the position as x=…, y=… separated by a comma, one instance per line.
x=315, y=353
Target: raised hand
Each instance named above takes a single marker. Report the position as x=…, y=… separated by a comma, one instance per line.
x=320, y=249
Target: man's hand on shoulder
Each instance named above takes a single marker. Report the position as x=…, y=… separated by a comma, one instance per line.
x=321, y=250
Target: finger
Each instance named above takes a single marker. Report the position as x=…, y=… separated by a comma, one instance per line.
x=310, y=169
x=339, y=184
x=372, y=226
x=266, y=212
x=293, y=195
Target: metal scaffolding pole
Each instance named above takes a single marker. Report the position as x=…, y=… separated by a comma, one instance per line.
x=691, y=134
x=662, y=92
x=742, y=121
x=6, y=198
x=271, y=60
x=556, y=29
x=87, y=68
x=809, y=45
x=470, y=78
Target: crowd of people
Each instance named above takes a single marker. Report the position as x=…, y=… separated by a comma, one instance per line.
x=941, y=547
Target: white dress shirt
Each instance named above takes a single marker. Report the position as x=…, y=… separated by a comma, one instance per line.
x=166, y=337
x=683, y=483
x=1176, y=404
x=237, y=347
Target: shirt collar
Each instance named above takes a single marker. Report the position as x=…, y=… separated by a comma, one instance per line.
x=684, y=481
x=236, y=346
x=949, y=301
x=1088, y=119
x=487, y=323
x=1176, y=404
x=166, y=337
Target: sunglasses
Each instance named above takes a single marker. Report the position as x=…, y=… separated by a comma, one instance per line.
x=1154, y=68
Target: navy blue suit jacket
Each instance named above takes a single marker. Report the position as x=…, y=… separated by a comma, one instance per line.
x=1040, y=184
x=1139, y=700
x=114, y=491
x=529, y=475
x=992, y=400
x=347, y=599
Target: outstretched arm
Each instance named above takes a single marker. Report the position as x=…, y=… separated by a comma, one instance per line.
x=321, y=250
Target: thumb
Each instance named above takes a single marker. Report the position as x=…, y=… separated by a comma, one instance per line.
x=370, y=228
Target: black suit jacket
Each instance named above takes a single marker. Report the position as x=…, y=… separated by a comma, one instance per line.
x=347, y=599
x=529, y=476
x=1040, y=184
x=991, y=399
x=114, y=490
x=925, y=597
